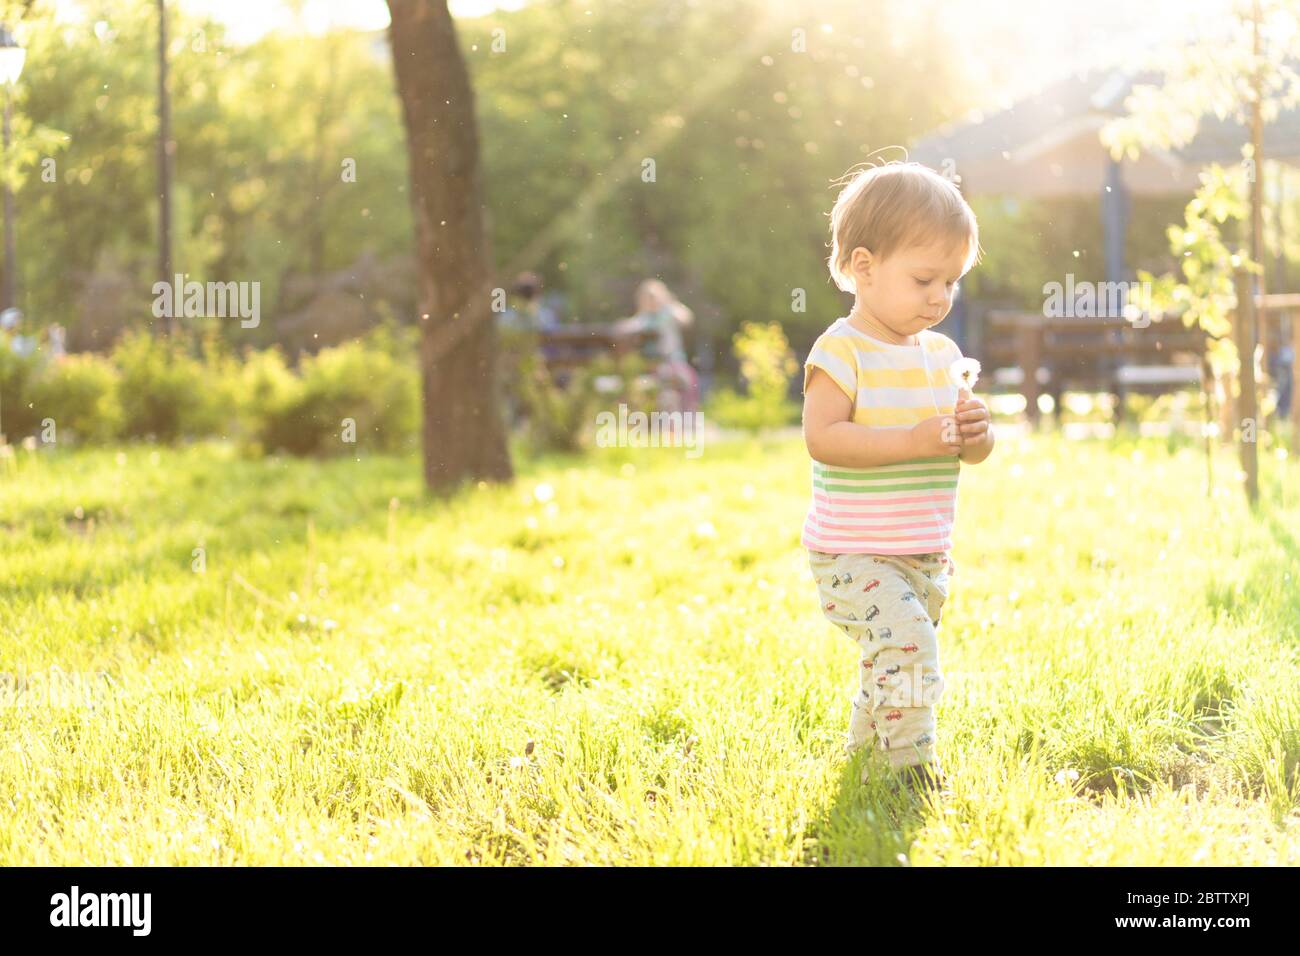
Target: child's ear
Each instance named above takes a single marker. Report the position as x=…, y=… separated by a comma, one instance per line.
x=860, y=262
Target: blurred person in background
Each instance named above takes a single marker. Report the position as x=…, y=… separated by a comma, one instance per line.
x=658, y=310
x=11, y=323
x=56, y=337
x=1284, y=377
x=519, y=328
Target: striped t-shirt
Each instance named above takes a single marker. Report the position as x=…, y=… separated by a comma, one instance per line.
x=905, y=508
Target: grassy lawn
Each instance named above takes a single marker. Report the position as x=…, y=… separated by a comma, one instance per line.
x=622, y=660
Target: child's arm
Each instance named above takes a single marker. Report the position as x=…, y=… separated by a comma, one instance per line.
x=834, y=440
x=633, y=323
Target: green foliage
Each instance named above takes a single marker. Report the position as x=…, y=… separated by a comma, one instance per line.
x=563, y=417
x=30, y=143
x=765, y=358
x=751, y=124
x=1211, y=75
x=81, y=393
x=266, y=385
x=1205, y=293
x=766, y=364
x=359, y=381
x=168, y=389
x=17, y=378
x=164, y=391
x=262, y=133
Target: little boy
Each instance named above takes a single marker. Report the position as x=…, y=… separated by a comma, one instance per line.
x=887, y=432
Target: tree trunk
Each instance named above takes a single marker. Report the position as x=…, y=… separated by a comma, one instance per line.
x=464, y=437
x=1247, y=399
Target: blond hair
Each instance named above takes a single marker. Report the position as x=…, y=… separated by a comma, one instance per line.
x=895, y=206
x=657, y=291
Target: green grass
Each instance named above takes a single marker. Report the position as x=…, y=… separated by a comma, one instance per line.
x=622, y=660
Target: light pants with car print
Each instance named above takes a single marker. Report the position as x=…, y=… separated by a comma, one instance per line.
x=890, y=606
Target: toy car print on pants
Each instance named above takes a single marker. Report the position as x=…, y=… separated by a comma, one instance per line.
x=890, y=613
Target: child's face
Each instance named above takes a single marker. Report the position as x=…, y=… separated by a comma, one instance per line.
x=912, y=289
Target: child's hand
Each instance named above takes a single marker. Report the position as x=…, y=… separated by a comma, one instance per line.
x=973, y=419
x=936, y=437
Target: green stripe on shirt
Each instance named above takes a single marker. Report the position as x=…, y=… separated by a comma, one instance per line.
x=906, y=486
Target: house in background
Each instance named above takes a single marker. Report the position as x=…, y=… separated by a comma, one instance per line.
x=1047, y=146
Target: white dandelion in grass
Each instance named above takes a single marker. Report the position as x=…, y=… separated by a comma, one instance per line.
x=965, y=372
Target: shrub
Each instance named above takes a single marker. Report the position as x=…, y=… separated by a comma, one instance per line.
x=18, y=418
x=364, y=381
x=81, y=393
x=563, y=417
x=266, y=387
x=221, y=373
x=165, y=392
x=766, y=364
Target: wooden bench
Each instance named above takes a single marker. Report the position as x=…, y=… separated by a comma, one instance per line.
x=1108, y=355
x=576, y=345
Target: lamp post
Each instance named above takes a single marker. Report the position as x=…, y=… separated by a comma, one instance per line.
x=165, y=147
x=12, y=57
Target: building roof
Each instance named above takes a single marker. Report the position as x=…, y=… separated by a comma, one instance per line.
x=1047, y=144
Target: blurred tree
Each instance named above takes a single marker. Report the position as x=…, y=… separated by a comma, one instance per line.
x=463, y=436
x=265, y=190
x=748, y=111
x=291, y=167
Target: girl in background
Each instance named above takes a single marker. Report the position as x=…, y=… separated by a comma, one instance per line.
x=660, y=311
